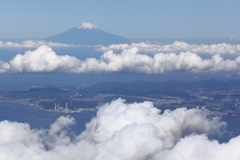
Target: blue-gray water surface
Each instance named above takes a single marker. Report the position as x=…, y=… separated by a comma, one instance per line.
x=42, y=119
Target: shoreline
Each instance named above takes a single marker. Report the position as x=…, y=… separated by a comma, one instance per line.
x=79, y=110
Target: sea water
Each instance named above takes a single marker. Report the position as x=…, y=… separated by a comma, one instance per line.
x=41, y=119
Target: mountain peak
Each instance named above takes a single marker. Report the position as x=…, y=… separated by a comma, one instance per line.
x=86, y=25
x=87, y=34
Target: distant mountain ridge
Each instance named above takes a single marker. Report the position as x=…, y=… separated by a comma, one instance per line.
x=87, y=34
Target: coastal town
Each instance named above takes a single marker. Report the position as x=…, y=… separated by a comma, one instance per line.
x=71, y=99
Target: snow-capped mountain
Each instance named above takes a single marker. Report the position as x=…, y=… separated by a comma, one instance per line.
x=87, y=34
x=86, y=25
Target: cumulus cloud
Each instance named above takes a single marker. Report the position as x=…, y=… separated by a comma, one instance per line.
x=33, y=44
x=44, y=59
x=177, y=47
x=125, y=132
x=148, y=48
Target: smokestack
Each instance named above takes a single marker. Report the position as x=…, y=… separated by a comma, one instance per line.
x=58, y=108
x=55, y=107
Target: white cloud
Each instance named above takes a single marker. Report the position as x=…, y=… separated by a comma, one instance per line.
x=44, y=59
x=177, y=47
x=148, y=48
x=33, y=44
x=124, y=132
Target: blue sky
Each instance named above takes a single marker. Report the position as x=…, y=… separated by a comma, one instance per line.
x=144, y=19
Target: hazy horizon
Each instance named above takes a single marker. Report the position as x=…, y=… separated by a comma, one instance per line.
x=142, y=19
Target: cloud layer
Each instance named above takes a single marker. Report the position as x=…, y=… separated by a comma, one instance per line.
x=33, y=44
x=148, y=48
x=121, y=131
x=177, y=47
x=44, y=59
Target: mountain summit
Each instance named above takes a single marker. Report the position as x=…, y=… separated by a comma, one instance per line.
x=86, y=25
x=87, y=34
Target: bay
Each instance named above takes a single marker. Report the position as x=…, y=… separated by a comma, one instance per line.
x=41, y=119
